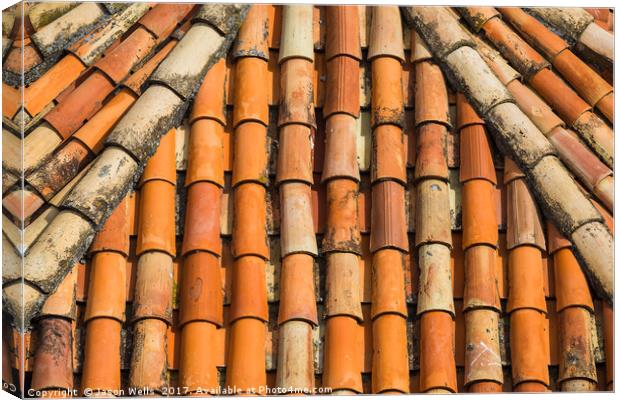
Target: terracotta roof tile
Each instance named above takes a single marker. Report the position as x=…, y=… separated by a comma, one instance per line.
x=91, y=46
x=344, y=40
x=136, y=80
x=117, y=63
x=22, y=57
x=60, y=169
x=163, y=18
x=482, y=307
x=296, y=78
x=11, y=100
x=388, y=217
x=432, y=100
x=525, y=59
x=53, y=365
x=254, y=34
x=431, y=149
x=340, y=160
x=387, y=97
x=80, y=105
x=251, y=93
x=93, y=132
x=52, y=83
x=386, y=38
x=342, y=94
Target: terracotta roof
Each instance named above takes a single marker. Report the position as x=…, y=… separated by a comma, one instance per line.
x=364, y=199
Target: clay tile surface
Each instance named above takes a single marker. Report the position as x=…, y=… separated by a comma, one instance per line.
x=343, y=34
x=253, y=34
x=68, y=116
x=361, y=199
x=117, y=63
x=163, y=18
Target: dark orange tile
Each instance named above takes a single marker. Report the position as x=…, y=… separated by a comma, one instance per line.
x=163, y=18
x=342, y=32
x=117, y=63
x=80, y=105
x=253, y=36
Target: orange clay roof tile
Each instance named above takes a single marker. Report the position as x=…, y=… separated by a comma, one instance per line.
x=296, y=93
x=61, y=303
x=431, y=98
x=80, y=105
x=520, y=54
x=246, y=359
x=22, y=58
x=56, y=172
x=386, y=36
x=340, y=159
x=163, y=18
x=479, y=216
x=114, y=236
x=576, y=357
x=389, y=154
x=100, y=369
x=162, y=165
x=389, y=229
x=528, y=349
x=342, y=232
x=571, y=286
x=93, y=132
x=437, y=366
x=297, y=228
x=559, y=96
x=251, y=154
x=388, y=284
x=252, y=39
x=342, y=343
x=250, y=91
x=465, y=113
x=202, y=299
x=118, y=62
x=431, y=152
x=342, y=86
x=106, y=292
x=135, y=81
x=387, y=95
x=53, y=364
x=342, y=32
x=534, y=32
x=202, y=222
x=148, y=359
x=206, y=153
x=11, y=100
x=51, y=84
x=295, y=154
x=297, y=296
x=250, y=223
x=479, y=290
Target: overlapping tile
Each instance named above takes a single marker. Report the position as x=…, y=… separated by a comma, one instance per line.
x=574, y=110
x=594, y=89
x=342, y=241
x=433, y=240
x=339, y=184
x=531, y=150
x=481, y=304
